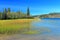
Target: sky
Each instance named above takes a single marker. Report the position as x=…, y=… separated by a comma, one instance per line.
x=37, y=7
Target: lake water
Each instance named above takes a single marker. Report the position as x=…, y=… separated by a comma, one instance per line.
x=48, y=29
x=48, y=24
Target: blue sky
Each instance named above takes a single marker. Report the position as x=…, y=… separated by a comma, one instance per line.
x=37, y=7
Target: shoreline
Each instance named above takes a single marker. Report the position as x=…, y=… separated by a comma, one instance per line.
x=15, y=24
x=22, y=20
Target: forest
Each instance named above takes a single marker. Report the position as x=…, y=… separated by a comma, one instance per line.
x=8, y=14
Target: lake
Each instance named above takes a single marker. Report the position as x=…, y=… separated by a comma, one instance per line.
x=52, y=24
x=48, y=29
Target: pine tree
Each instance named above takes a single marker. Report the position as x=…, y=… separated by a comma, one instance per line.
x=9, y=10
x=8, y=14
x=5, y=14
x=28, y=12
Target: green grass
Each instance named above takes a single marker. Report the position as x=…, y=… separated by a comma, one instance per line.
x=14, y=26
x=31, y=32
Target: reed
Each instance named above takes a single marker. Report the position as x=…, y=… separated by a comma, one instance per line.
x=14, y=26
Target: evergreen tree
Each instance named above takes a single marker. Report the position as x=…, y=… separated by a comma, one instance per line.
x=0, y=15
x=8, y=14
x=9, y=10
x=28, y=12
x=5, y=14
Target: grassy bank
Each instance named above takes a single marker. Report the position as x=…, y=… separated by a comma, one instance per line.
x=14, y=26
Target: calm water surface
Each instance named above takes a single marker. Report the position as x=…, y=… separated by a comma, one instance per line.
x=51, y=24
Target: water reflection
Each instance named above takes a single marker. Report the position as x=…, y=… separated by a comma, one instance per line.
x=53, y=25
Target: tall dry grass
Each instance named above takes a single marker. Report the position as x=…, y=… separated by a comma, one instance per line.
x=14, y=26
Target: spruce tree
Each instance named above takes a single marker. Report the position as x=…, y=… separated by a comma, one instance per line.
x=8, y=14
x=5, y=14
x=28, y=12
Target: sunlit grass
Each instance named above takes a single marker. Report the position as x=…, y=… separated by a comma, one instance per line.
x=31, y=32
x=14, y=26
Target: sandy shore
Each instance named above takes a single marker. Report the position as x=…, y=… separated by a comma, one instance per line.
x=30, y=37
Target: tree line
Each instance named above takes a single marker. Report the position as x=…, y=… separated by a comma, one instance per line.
x=7, y=14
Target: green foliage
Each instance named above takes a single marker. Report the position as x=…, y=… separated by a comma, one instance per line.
x=4, y=14
x=0, y=15
x=28, y=12
x=7, y=14
x=9, y=10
